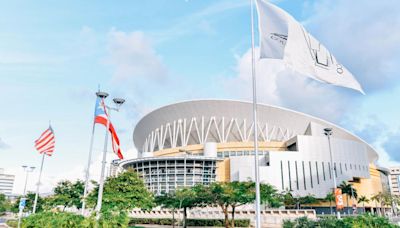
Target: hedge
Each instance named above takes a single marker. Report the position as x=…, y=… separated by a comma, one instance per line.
x=362, y=221
x=189, y=222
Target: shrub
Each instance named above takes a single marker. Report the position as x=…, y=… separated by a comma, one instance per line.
x=288, y=223
x=113, y=219
x=189, y=222
x=362, y=221
x=12, y=223
x=49, y=219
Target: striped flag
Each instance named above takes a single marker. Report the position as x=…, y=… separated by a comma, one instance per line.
x=46, y=142
x=101, y=117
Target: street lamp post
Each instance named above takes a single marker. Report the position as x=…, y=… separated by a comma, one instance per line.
x=27, y=170
x=328, y=133
x=118, y=102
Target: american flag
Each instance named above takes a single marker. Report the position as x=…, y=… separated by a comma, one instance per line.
x=46, y=142
x=101, y=117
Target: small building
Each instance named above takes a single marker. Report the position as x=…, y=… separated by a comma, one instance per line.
x=6, y=183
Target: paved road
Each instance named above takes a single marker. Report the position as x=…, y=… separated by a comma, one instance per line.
x=3, y=223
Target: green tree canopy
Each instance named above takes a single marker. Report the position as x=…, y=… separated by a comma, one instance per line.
x=67, y=194
x=4, y=203
x=30, y=198
x=270, y=196
x=123, y=193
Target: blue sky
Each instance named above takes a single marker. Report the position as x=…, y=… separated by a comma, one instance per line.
x=53, y=56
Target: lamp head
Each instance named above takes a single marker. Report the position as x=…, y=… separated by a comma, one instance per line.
x=102, y=95
x=119, y=101
x=328, y=131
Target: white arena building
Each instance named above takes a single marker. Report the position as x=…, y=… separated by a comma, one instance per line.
x=203, y=141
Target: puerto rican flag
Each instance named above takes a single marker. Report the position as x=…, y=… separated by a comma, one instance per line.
x=101, y=117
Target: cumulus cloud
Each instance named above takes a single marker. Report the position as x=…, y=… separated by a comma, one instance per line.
x=133, y=57
x=364, y=42
x=392, y=145
x=373, y=131
x=278, y=85
x=363, y=38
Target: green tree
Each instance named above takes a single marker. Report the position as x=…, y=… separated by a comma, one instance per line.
x=30, y=198
x=270, y=196
x=378, y=198
x=67, y=194
x=220, y=195
x=349, y=191
x=123, y=193
x=308, y=199
x=330, y=197
x=241, y=193
x=288, y=199
x=169, y=201
x=187, y=199
x=4, y=203
x=363, y=200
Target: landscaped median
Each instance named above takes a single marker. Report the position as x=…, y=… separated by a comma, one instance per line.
x=66, y=219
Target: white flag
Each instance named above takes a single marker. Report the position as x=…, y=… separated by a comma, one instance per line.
x=282, y=37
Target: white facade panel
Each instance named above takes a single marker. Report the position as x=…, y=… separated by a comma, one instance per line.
x=306, y=171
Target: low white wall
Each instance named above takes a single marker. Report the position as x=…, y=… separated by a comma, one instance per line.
x=269, y=218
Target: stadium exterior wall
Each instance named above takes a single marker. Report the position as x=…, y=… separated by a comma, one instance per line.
x=294, y=151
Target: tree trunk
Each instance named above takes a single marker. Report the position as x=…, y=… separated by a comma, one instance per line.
x=225, y=210
x=330, y=206
x=233, y=217
x=173, y=217
x=184, y=217
x=348, y=210
x=364, y=207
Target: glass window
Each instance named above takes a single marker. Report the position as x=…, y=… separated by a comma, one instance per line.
x=316, y=168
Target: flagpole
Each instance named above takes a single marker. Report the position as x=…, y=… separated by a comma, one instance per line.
x=103, y=165
x=87, y=175
x=255, y=122
x=38, y=184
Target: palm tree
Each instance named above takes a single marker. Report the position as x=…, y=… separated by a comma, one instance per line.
x=363, y=200
x=349, y=191
x=378, y=199
x=330, y=197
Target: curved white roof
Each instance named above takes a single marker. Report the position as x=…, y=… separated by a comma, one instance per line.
x=184, y=118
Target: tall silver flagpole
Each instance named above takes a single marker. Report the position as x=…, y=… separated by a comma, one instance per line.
x=38, y=185
x=87, y=175
x=103, y=165
x=255, y=122
x=328, y=133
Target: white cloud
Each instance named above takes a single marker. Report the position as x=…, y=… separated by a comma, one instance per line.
x=133, y=57
x=49, y=181
x=363, y=35
x=278, y=85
